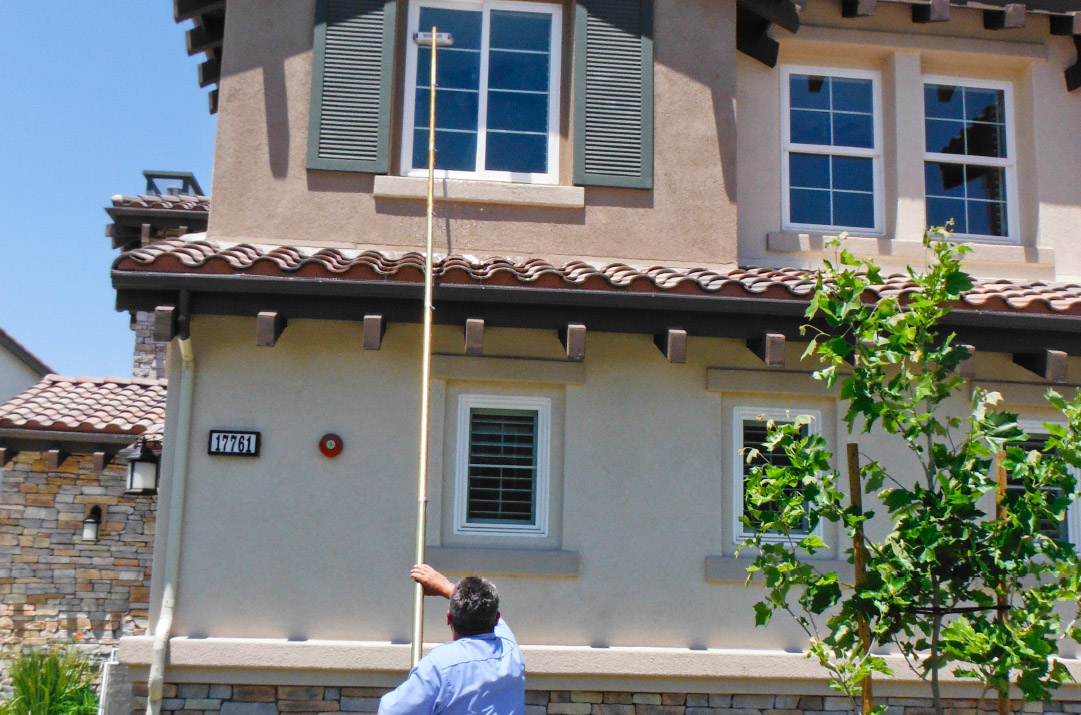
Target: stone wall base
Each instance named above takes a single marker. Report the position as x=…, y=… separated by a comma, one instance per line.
x=218, y=699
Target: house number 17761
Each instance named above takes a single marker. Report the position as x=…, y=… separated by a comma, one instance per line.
x=234, y=443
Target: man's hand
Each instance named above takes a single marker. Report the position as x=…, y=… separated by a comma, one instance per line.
x=433, y=582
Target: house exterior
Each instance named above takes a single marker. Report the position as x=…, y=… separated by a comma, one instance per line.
x=19, y=368
x=630, y=198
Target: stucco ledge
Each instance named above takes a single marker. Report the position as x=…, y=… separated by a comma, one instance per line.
x=480, y=192
x=814, y=244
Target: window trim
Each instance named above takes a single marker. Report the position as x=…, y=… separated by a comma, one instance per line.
x=543, y=408
x=554, y=86
x=1036, y=429
x=740, y=414
x=1009, y=163
x=875, y=153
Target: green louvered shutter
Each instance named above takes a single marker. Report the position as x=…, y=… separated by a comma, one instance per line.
x=352, y=74
x=613, y=93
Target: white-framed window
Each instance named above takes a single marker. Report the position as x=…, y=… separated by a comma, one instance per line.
x=969, y=157
x=749, y=432
x=1070, y=528
x=497, y=101
x=831, y=159
x=502, y=465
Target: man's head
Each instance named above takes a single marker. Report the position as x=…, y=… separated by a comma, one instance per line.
x=474, y=607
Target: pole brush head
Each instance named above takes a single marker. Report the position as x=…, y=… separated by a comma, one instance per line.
x=442, y=39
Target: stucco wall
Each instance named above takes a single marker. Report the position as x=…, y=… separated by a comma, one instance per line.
x=15, y=376
x=294, y=545
x=264, y=193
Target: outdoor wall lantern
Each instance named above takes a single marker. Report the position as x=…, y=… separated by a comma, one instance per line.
x=91, y=524
x=143, y=473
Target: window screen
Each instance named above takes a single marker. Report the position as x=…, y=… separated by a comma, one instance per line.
x=502, y=466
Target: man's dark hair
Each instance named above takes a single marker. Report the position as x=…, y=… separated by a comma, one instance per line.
x=474, y=606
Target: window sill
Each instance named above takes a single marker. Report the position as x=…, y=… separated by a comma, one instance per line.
x=480, y=192
x=729, y=569
x=814, y=244
x=527, y=562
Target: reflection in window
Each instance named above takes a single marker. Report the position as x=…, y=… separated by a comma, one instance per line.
x=495, y=92
x=831, y=151
x=966, y=158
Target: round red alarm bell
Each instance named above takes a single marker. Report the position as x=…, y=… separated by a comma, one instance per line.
x=331, y=445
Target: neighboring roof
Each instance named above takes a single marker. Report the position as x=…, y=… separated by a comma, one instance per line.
x=195, y=256
x=163, y=202
x=93, y=405
x=14, y=347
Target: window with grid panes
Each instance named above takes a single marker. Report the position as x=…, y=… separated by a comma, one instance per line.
x=497, y=97
x=502, y=466
x=832, y=150
x=968, y=162
x=1059, y=531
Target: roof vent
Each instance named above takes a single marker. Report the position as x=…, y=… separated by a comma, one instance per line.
x=171, y=183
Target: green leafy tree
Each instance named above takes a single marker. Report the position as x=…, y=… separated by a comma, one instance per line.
x=956, y=582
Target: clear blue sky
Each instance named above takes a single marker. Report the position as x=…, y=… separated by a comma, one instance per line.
x=91, y=94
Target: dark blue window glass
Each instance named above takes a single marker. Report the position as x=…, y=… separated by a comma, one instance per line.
x=851, y=173
x=810, y=127
x=809, y=92
x=810, y=206
x=809, y=171
x=832, y=111
x=454, y=151
x=831, y=190
x=966, y=122
x=517, y=152
x=853, y=209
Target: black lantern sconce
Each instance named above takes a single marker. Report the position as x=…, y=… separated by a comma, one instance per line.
x=91, y=524
x=143, y=473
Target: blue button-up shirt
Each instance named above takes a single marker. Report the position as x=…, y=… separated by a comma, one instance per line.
x=474, y=675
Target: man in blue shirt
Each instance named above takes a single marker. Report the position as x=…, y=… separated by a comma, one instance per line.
x=480, y=672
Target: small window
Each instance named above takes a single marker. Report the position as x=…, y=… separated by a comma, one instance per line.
x=497, y=103
x=968, y=158
x=832, y=150
x=750, y=430
x=502, y=468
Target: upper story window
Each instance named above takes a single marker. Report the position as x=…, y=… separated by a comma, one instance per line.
x=969, y=158
x=832, y=149
x=750, y=429
x=497, y=97
x=502, y=466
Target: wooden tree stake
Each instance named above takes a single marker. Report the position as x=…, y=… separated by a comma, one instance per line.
x=859, y=558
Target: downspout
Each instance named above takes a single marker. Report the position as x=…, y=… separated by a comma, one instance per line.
x=178, y=480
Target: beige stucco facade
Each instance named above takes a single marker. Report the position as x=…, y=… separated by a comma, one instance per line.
x=293, y=566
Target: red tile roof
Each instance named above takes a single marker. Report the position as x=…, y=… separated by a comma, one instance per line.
x=196, y=255
x=166, y=202
x=107, y=405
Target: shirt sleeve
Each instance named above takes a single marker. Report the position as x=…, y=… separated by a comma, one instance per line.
x=418, y=695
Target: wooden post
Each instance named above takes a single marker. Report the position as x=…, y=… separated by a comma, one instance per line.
x=859, y=559
x=1000, y=595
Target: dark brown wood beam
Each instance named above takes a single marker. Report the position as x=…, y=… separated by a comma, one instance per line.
x=164, y=323
x=54, y=458
x=769, y=348
x=783, y=13
x=1061, y=25
x=189, y=9
x=573, y=338
x=1073, y=72
x=7, y=454
x=1048, y=364
x=209, y=73
x=673, y=345
x=933, y=11
x=201, y=39
x=212, y=101
x=752, y=37
x=372, y=332
x=1010, y=17
x=474, y=337
x=858, y=8
x=101, y=461
x=269, y=325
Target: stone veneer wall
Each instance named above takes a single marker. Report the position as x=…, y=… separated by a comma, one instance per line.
x=53, y=585
x=215, y=699
x=149, y=358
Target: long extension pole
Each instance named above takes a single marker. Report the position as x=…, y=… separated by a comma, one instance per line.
x=425, y=382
